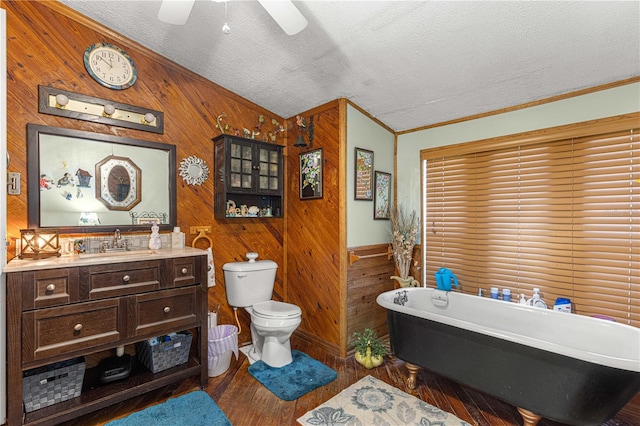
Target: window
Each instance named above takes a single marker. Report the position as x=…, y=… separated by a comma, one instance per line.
x=557, y=210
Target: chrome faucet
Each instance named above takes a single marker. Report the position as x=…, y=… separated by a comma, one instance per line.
x=117, y=243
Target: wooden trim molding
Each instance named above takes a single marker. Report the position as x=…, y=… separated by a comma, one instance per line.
x=573, y=130
x=528, y=104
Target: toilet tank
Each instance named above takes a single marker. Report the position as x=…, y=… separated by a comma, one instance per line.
x=248, y=283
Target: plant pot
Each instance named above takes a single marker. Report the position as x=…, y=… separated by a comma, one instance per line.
x=369, y=361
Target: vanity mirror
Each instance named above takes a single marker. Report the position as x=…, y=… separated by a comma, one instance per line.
x=116, y=182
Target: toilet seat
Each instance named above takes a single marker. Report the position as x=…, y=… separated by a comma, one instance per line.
x=272, y=309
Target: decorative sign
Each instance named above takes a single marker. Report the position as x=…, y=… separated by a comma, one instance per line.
x=311, y=181
x=364, y=175
x=382, y=195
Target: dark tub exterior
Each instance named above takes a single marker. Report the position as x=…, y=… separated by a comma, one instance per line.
x=557, y=386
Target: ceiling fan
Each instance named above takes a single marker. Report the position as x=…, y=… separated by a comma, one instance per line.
x=284, y=12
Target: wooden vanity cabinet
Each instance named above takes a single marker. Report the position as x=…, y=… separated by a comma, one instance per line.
x=60, y=313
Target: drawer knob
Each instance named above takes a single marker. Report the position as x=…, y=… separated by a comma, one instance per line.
x=77, y=327
x=126, y=278
x=167, y=309
x=184, y=271
x=51, y=287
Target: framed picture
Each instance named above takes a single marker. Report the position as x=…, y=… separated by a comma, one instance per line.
x=311, y=181
x=381, y=195
x=364, y=174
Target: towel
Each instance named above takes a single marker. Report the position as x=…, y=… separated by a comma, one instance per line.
x=211, y=270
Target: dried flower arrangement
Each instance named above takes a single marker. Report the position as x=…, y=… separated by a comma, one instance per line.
x=404, y=234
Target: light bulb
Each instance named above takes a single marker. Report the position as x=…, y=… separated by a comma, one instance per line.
x=148, y=118
x=61, y=100
x=226, y=29
x=109, y=109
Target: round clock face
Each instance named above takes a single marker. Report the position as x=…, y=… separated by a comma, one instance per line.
x=110, y=66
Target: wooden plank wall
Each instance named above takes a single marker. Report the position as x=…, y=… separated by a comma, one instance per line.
x=366, y=279
x=314, y=242
x=45, y=46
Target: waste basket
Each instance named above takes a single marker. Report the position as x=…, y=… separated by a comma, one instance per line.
x=223, y=340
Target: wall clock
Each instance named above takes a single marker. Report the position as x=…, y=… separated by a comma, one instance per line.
x=110, y=66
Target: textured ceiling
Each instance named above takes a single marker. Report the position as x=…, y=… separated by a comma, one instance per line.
x=408, y=63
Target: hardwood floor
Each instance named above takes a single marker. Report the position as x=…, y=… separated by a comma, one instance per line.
x=246, y=402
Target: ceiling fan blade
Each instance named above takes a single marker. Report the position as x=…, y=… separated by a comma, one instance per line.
x=175, y=12
x=286, y=15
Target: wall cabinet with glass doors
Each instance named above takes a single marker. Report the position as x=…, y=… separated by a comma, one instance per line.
x=248, y=178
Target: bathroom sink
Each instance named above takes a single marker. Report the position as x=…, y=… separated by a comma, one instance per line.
x=117, y=254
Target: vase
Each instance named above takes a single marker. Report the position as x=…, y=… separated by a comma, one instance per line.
x=406, y=282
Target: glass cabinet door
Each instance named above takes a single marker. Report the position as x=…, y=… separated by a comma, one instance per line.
x=241, y=166
x=269, y=169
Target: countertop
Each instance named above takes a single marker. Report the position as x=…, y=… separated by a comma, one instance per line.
x=19, y=265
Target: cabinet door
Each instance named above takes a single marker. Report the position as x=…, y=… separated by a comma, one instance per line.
x=49, y=287
x=242, y=167
x=269, y=170
x=119, y=279
x=56, y=331
x=158, y=313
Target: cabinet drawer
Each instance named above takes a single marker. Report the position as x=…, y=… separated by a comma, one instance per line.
x=185, y=271
x=100, y=282
x=49, y=287
x=56, y=331
x=169, y=310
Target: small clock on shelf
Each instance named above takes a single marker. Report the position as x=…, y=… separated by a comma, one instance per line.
x=110, y=66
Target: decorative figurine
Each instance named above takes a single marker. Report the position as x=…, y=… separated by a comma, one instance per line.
x=154, y=240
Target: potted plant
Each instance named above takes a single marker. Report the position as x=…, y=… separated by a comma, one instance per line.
x=369, y=349
x=404, y=234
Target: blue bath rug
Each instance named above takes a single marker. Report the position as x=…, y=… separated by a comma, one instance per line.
x=192, y=409
x=293, y=380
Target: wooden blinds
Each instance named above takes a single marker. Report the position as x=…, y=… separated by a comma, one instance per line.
x=562, y=215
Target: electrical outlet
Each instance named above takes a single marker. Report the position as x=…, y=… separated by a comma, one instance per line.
x=13, y=183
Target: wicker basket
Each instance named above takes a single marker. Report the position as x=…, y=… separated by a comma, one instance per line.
x=50, y=384
x=165, y=354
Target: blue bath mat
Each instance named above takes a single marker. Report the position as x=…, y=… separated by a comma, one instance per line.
x=292, y=381
x=192, y=409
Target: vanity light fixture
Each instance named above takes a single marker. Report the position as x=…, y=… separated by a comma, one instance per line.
x=61, y=101
x=82, y=107
x=39, y=243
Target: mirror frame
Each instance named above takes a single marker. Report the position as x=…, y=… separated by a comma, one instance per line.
x=33, y=182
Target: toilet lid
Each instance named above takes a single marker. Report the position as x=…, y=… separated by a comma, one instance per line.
x=274, y=309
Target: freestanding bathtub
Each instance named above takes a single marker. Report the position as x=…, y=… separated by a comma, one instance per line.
x=565, y=367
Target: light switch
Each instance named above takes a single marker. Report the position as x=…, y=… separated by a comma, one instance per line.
x=13, y=183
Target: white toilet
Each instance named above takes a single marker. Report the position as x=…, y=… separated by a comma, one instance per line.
x=249, y=285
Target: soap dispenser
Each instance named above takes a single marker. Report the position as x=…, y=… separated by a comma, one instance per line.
x=536, y=300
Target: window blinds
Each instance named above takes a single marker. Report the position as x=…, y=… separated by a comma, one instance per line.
x=562, y=215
